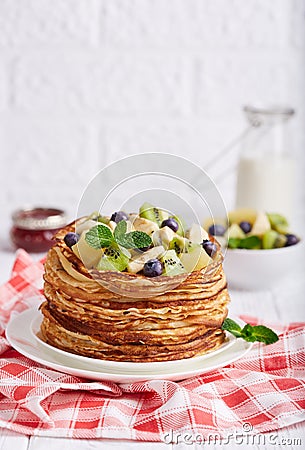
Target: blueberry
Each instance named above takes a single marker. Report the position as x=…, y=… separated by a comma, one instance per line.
x=292, y=239
x=209, y=247
x=152, y=268
x=217, y=230
x=170, y=223
x=245, y=226
x=71, y=239
x=118, y=216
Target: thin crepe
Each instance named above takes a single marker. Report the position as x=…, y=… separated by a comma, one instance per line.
x=82, y=316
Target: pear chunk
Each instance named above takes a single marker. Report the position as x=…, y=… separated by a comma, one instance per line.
x=261, y=225
x=145, y=225
x=197, y=234
x=85, y=226
x=234, y=231
x=137, y=264
x=88, y=255
x=241, y=215
x=163, y=236
x=196, y=259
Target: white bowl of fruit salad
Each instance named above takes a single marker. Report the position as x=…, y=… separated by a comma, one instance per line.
x=260, y=249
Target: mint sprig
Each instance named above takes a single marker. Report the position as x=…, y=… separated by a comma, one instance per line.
x=255, y=333
x=120, y=230
x=232, y=327
x=135, y=239
x=101, y=236
x=249, y=242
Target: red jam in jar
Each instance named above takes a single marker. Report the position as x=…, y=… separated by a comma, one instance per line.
x=34, y=228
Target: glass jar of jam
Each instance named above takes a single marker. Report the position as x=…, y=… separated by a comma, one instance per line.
x=34, y=228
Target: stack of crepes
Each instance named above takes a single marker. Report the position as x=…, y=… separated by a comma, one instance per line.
x=86, y=313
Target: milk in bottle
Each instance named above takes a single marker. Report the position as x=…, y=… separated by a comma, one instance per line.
x=266, y=169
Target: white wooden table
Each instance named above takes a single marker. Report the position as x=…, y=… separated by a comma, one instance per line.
x=284, y=304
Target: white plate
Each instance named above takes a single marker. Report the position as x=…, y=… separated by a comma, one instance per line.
x=118, y=366
x=21, y=337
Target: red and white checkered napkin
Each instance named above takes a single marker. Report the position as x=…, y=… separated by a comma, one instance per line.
x=264, y=390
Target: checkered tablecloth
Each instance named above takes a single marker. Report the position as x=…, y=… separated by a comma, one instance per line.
x=263, y=391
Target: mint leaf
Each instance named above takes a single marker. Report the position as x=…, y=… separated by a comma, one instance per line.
x=256, y=333
x=120, y=231
x=135, y=239
x=250, y=242
x=99, y=236
x=233, y=242
x=247, y=333
x=261, y=333
x=232, y=327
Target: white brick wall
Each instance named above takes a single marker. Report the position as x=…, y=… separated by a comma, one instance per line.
x=3, y=88
x=85, y=82
x=106, y=83
x=44, y=23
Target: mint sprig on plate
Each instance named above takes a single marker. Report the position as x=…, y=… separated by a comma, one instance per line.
x=255, y=333
x=101, y=236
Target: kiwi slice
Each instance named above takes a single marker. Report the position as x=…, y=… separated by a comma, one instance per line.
x=280, y=241
x=97, y=216
x=269, y=239
x=278, y=222
x=150, y=212
x=177, y=244
x=181, y=245
x=181, y=225
x=172, y=264
x=114, y=259
x=104, y=219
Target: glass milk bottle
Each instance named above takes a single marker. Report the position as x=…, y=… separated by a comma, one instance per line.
x=266, y=169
